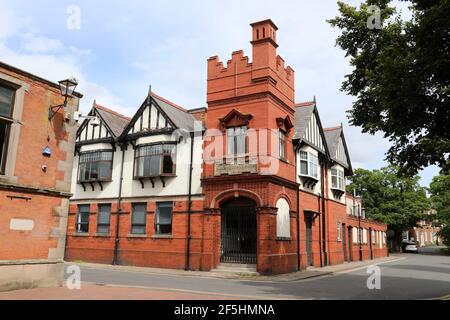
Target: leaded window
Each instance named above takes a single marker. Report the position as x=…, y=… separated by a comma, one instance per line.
x=155, y=160
x=95, y=166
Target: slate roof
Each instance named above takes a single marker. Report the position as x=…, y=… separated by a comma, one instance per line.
x=332, y=136
x=179, y=116
x=303, y=113
x=115, y=121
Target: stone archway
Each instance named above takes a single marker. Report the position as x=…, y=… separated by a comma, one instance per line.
x=238, y=231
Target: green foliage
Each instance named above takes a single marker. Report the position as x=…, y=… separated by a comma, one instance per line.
x=440, y=199
x=396, y=201
x=401, y=78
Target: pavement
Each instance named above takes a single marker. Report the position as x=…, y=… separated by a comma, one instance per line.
x=405, y=276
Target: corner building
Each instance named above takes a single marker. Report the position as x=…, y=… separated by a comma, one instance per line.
x=256, y=180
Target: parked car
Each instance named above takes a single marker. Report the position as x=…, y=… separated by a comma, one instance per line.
x=410, y=246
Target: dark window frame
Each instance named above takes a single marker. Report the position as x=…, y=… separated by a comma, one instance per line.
x=162, y=155
x=159, y=226
x=100, y=224
x=79, y=222
x=80, y=163
x=133, y=224
x=7, y=121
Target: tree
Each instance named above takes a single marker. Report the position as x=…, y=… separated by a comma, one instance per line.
x=440, y=199
x=400, y=78
x=399, y=202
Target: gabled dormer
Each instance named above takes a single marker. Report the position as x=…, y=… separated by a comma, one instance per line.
x=308, y=127
x=157, y=116
x=156, y=147
x=338, y=148
x=96, y=142
x=101, y=126
x=311, y=144
x=340, y=160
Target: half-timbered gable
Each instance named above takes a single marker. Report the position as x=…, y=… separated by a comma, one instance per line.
x=308, y=127
x=340, y=167
x=312, y=148
x=109, y=128
x=338, y=148
x=96, y=160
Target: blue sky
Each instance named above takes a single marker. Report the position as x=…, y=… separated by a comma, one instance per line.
x=121, y=49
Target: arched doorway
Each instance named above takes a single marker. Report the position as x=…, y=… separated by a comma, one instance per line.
x=238, y=231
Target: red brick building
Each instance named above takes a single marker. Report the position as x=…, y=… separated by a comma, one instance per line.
x=34, y=188
x=255, y=178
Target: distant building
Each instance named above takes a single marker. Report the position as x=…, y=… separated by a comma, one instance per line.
x=253, y=179
x=36, y=158
x=426, y=231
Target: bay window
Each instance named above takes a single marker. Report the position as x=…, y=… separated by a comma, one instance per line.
x=237, y=141
x=6, y=111
x=155, y=160
x=95, y=166
x=309, y=165
x=337, y=179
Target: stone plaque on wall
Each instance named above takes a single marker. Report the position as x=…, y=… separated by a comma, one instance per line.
x=235, y=168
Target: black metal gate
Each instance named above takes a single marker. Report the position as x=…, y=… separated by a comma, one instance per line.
x=238, y=243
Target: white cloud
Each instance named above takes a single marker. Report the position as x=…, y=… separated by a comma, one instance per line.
x=39, y=44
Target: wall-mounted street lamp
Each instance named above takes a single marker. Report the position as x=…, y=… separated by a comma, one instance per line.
x=67, y=88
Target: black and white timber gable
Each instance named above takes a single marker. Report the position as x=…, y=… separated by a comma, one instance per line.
x=338, y=147
x=157, y=116
x=308, y=127
x=108, y=130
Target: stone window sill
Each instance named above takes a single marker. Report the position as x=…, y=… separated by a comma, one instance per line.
x=284, y=239
x=80, y=234
x=137, y=236
x=102, y=235
x=162, y=236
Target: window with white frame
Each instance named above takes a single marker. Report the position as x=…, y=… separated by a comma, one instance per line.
x=282, y=144
x=283, y=219
x=237, y=141
x=309, y=165
x=365, y=236
x=373, y=235
x=384, y=237
x=355, y=234
x=337, y=179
